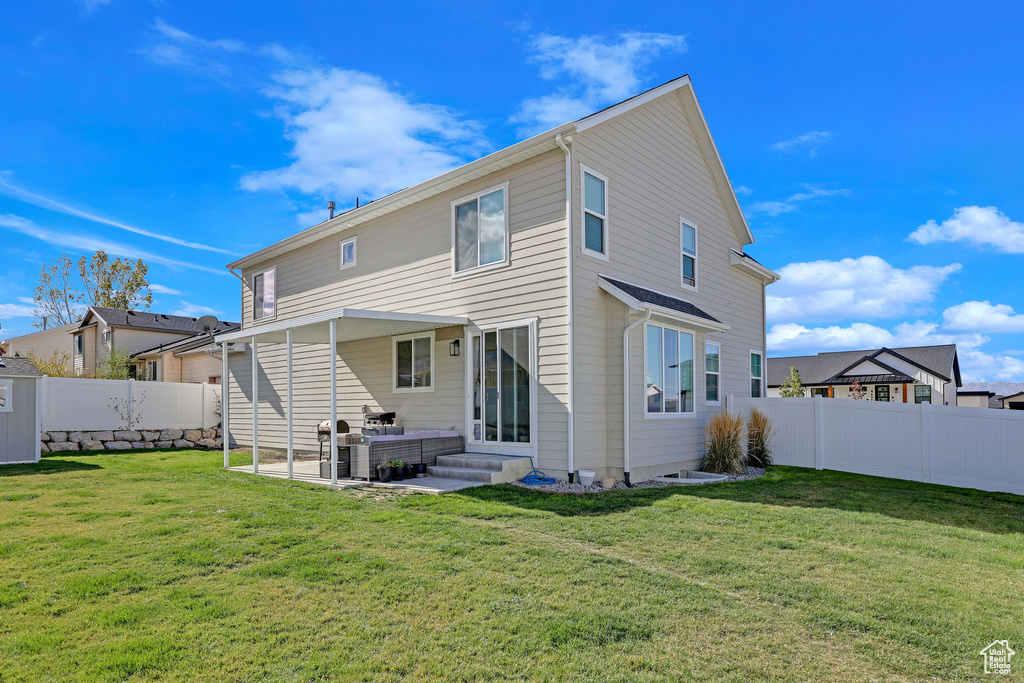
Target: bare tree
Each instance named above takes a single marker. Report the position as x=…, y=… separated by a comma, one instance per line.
x=57, y=301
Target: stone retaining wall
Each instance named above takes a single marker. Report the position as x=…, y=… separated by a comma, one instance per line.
x=126, y=440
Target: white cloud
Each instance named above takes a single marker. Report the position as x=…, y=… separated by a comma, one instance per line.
x=180, y=36
x=865, y=287
x=179, y=48
x=162, y=289
x=91, y=243
x=809, y=143
x=352, y=135
x=792, y=202
x=191, y=310
x=859, y=335
x=8, y=311
x=977, y=225
x=743, y=190
x=10, y=189
x=90, y=5
x=602, y=72
x=978, y=366
x=983, y=316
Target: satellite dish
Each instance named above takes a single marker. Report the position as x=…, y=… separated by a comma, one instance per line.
x=207, y=324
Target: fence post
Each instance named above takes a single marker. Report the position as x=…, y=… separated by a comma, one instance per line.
x=926, y=410
x=202, y=409
x=43, y=406
x=131, y=403
x=819, y=433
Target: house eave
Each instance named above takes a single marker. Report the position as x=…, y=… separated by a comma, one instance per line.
x=745, y=263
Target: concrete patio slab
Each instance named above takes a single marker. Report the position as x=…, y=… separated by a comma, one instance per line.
x=308, y=472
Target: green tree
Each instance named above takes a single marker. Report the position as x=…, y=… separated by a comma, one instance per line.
x=121, y=283
x=792, y=387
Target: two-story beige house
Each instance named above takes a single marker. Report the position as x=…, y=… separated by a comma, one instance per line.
x=582, y=297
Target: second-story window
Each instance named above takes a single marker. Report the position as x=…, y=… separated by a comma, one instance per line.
x=688, y=237
x=480, y=230
x=348, y=253
x=595, y=213
x=264, y=294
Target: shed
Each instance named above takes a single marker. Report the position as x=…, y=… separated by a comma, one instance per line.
x=20, y=410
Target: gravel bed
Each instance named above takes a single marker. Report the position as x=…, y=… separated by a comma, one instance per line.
x=566, y=487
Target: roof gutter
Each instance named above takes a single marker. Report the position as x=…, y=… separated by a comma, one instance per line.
x=625, y=392
x=569, y=257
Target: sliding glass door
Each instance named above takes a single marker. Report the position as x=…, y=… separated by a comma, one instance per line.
x=501, y=373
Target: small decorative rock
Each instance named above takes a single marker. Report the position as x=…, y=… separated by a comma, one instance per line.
x=218, y=442
x=219, y=432
x=91, y=445
x=77, y=437
x=183, y=443
x=206, y=443
x=102, y=436
x=150, y=436
x=44, y=447
x=127, y=435
x=58, y=437
x=138, y=444
x=193, y=435
x=63, y=446
x=163, y=444
x=170, y=434
x=44, y=437
x=209, y=433
x=118, y=446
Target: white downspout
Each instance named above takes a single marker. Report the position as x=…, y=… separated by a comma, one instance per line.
x=569, y=256
x=625, y=392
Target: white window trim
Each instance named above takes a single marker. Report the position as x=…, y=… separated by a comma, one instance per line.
x=498, y=447
x=696, y=251
x=508, y=240
x=9, y=384
x=693, y=344
x=341, y=257
x=718, y=345
x=394, y=363
x=252, y=290
x=607, y=238
x=750, y=372
x=79, y=351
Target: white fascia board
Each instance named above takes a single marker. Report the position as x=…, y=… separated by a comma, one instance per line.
x=316, y=318
x=745, y=263
x=632, y=103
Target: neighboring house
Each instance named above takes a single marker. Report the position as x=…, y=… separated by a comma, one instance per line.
x=581, y=297
x=1013, y=401
x=915, y=374
x=976, y=399
x=191, y=359
x=20, y=411
x=103, y=329
x=43, y=344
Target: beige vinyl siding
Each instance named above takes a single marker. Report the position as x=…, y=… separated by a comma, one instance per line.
x=198, y=367
x=404, y=264
x=86, y=363
x=656, y=175
x=45, y=343
x=18, y=436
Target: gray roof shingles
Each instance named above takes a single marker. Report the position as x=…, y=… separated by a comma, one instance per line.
x=649, y=296
x=816, y=369
x=154, y=321
x=15, y=366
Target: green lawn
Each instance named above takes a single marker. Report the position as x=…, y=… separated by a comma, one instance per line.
x=164, y=566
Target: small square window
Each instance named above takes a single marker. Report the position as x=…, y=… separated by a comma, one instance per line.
x=413, y=363
x=6, y=395
x=922, y=394
x=348, y=253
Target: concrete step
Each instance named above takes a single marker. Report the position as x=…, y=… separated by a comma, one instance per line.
x=492, y=469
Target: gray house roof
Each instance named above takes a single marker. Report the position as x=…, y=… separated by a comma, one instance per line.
x=822, y=367
x=649, y=296
x=15, y=366
x=146, y=320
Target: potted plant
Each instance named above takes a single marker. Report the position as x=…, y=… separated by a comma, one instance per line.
x=384, y=471
x=397, y=470
x=421, y=470
x=410, y=470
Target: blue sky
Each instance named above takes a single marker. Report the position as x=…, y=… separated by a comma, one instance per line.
x=877, y=149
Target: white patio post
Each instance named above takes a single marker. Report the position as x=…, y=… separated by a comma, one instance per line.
x=290, y=408
x=334, y=402
x=225, y=383
x=255, y=409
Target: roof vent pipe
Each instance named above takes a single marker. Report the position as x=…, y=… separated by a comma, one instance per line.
x=330, y=207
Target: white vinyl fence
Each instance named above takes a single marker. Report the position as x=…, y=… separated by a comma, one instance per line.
x=70, y=403
x=977, y=448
